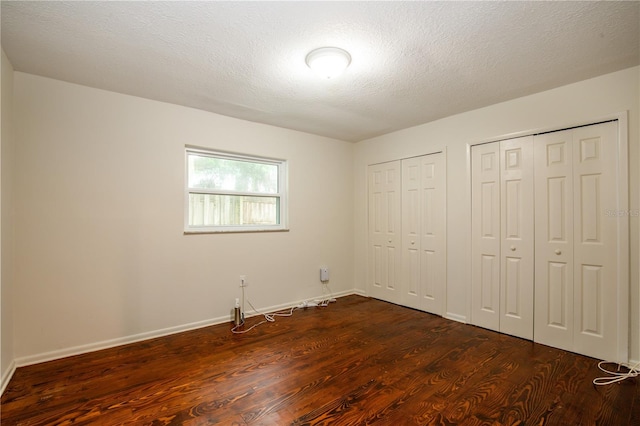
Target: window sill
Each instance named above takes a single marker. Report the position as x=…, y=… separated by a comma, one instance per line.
x=233, y=231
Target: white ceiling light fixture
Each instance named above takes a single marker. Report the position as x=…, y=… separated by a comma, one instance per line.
x=328, y=62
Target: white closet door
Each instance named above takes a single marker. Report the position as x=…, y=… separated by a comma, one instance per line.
x=595, y=241
x=553, y=155
x=433, y=233
x=424, y=233
x=411, y=224
x=576, y=242
x=383, y=272
x=485, y=238
x=517, y=239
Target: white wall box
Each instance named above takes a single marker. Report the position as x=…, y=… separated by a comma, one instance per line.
x=564, y=185
x=407, y=232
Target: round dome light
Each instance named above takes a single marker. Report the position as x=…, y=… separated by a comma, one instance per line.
x=328, y=62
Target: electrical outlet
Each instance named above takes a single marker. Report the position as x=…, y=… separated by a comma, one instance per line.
x=243, y=281
x=324, y=274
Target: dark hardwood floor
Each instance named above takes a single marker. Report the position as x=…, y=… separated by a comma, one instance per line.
x=358, y=361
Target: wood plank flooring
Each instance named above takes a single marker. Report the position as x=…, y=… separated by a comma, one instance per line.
x=359, y=361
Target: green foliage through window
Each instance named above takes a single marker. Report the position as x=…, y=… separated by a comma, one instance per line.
x=234, y=193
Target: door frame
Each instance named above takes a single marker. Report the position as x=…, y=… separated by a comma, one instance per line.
x=622, y=207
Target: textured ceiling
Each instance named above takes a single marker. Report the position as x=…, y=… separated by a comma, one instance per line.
x=413, y=62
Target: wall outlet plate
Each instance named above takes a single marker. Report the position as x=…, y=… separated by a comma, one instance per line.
x=324, y=274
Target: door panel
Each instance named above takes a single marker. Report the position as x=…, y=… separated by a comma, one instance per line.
x=516, y=208
x=576, y=244
x=411, y=222
x=547, y=198
x=433, y=233
x=489, y=271
x=553, y=319
x=595, y=241
x=423, y=233
x=558, y=296
x=432, y=285
x=485, y=235
x=590, y=303
x=556, y=197
x=384, y=226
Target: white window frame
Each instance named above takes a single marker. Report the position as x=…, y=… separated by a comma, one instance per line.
x=281, y=194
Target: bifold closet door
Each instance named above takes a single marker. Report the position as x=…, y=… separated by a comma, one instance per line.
x=516, y=237
x=485, y=238
x=502, y=236
x=553, y=157
x=576, y=242
x=423, y=233
x=384, y=251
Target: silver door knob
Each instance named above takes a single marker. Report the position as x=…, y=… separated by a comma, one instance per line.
x=558, y=251
x=513, y=248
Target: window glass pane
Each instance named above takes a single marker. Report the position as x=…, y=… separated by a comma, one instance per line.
x=232, y=210
x=232, y=175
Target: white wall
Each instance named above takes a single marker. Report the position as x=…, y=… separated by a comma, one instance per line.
x=578, y=103
x=101, y=257
x=6, y=226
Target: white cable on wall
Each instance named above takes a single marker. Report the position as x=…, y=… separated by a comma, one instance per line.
x=326, y=300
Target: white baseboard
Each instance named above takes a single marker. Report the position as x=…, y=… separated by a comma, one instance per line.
x=106, y=344
x=359, y=292
x=7, y=375
x=455, y=317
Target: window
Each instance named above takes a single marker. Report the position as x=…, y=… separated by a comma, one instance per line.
x=234, y=193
